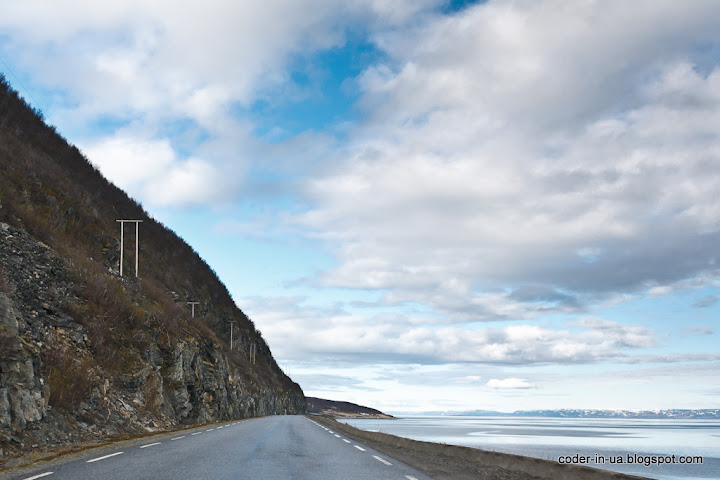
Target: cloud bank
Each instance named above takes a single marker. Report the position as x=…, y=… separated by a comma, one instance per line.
x=529, y=157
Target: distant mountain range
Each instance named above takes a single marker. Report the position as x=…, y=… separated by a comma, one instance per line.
x=709, y=413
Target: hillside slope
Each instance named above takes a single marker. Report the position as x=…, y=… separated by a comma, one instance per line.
x=332, y=408
x=85, y=353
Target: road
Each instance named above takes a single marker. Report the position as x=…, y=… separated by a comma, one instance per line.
x=268, y=448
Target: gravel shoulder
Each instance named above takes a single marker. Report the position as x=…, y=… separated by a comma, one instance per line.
x=451, y=462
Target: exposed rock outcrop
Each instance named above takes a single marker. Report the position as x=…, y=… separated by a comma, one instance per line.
x=45, y=354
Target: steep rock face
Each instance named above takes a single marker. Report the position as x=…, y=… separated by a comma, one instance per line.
x=87, y=354
x=46, y=357
x=23, y=393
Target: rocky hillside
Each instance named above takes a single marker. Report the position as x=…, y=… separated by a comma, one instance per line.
x=87, y=354
x=331, y=408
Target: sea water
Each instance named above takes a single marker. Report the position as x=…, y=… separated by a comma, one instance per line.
x=608, y=440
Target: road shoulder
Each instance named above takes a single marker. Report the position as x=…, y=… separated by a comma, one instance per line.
x=451, y=462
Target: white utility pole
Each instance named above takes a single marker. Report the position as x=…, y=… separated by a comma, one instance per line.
x=192, y=304
x=122, y=243
x=231, y=334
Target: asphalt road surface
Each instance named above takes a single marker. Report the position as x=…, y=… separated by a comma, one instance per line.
x=269, y=448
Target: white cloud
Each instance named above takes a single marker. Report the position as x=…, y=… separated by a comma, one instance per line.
x=306, y=332
x=168, y=59
x=416, y=388
x=230, y=44
x=528, y=144
x=191, y=182
x=150, y=170
x=163, y=65
x=131, y=161
x=509, y=383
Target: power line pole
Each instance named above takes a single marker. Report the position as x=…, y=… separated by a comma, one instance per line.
x=231, y=333
x=192, y=304
x=122, y=243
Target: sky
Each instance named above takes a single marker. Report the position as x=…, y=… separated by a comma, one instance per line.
x=423, y=205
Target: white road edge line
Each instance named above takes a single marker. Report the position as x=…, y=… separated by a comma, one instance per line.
x=177, y=438
x=379, y=459
x=39, y=476
x=360, y=448
x=151, y=444
x=103, y=458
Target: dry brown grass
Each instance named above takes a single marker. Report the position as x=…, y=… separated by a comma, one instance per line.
x=69, y=378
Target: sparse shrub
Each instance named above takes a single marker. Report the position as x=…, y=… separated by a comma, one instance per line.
x=69, y=377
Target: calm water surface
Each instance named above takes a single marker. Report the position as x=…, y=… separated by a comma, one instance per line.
x=551, y=438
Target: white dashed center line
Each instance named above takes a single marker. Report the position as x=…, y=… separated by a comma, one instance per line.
x=346, y=440
x=39, y=476
x=209, y=429
x=103, y=458
x=337, y=435
x=359, y=448
x=177, y=438
x=410, y=477
x=381, y=460
x=150, y=445
x=196, y=433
